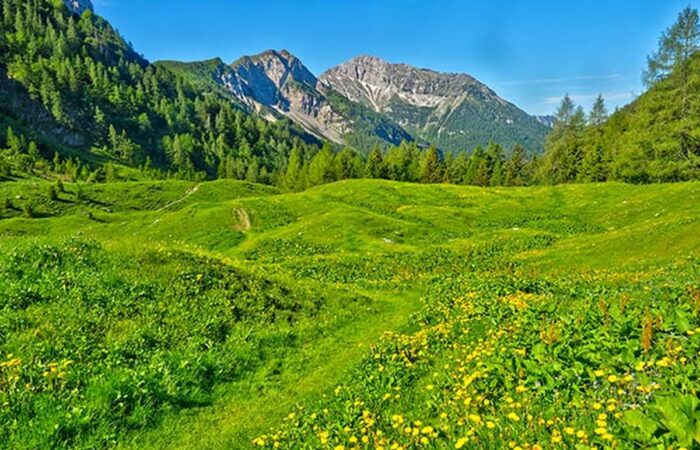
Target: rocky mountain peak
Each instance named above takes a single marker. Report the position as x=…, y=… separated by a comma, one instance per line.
x=453, y=110
x=79, y=6
x=376, y=82
x=277, y=67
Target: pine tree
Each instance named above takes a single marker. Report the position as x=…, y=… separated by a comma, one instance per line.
x=253, y=172
x=515, y=167
x=456, y=168
x=402, y=162
x=431, y=170
x=347, y=165
x=593, y=162
x=374, y=168
x=470, y=175
x=676, y=45
x=495, y=157
x=321, y=167
x=478, y=170
x=563, y=149
x=599, y=113
x=593, y=165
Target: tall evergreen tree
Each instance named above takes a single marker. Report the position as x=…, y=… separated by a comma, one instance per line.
x=374, y=167
x=676, y=45
x=347, y=164
x=593, y=165
x=431, y=166
x=563, y=149
x=402, y=162
x=478, y=170
x=292, y=180
x=515, y=167
x=456, y=168
x=321, y=167
x=495, y=157
x=599, y=113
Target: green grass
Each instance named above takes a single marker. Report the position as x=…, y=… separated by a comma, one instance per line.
x=199, y=315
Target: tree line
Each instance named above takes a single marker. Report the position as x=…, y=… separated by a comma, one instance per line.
x=654, y=139
x=408, y=162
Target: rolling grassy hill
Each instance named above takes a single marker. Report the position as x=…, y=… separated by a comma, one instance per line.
x=362, y=314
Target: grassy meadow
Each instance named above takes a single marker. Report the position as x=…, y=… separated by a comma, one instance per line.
x=360, y=314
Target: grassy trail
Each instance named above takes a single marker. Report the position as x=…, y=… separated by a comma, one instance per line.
x=254, y=405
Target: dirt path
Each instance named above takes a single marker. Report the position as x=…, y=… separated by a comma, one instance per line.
x=181, y=199
x=243, y=219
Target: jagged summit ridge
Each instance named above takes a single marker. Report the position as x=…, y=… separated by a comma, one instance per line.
x=368, y=100
x=372, y=80
x=453, y=110
x=276, y=84
x=268, y=73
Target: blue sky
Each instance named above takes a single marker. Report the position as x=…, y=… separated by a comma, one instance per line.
x=530, y=52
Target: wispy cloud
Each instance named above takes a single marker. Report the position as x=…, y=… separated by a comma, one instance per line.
x=614, y=76
x=617, y=97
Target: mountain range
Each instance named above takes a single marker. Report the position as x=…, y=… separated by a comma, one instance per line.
x=277, y=85
x=368, y=101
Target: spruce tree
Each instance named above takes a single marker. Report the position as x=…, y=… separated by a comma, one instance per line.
x=456, y=168
x=430, y=166
x=321, y=167
x=374, y=167
x=515, y=167
x=292, y=178
x=473, y=166
x=599, y=113
x=495, y=157
x=676, y=45
x=563, y=149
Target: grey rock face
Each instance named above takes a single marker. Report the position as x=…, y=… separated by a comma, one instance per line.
x=377, y=83
x=278, y=82
x=454, y=111
x=270, y=75
x=79, y=6
x=547, y=121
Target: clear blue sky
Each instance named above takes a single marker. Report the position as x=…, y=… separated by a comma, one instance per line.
x=530, y=52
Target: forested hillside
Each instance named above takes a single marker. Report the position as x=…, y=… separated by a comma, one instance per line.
x=656, y=138
x=70, y=84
